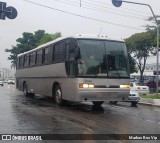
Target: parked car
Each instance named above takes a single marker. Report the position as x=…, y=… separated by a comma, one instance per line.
x=1, y=83
x=5, y=81
x=134, y=97
x=152, y=85
x=11, y=81
x=141, y=89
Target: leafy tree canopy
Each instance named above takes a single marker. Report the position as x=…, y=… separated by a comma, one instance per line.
x=28, y=42
x=140, y=45
x=152, y=28
x=154, y=23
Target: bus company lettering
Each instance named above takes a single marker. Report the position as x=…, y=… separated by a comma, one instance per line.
x=34, y=138
x=143, y=137
x=135, y=138
x=26, y=137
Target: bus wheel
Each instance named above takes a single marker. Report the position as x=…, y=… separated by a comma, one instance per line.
x=31, y=95
x=134, y=104
x=97, y=103
x=25, y=89
x=58, y=95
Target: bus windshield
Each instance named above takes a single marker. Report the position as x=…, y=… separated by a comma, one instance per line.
x=102, y=58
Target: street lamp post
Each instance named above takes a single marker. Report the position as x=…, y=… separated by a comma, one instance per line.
x=118, y=3
x=157, y=58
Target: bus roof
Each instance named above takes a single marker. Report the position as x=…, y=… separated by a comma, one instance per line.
x=75, y=37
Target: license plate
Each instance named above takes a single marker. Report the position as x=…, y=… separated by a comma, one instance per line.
x=132, y=98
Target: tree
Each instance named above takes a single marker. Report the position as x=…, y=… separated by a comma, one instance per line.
x=140, y=45
x=152, y=28
x=154, y=24
x=28, y=42
x=49, y=37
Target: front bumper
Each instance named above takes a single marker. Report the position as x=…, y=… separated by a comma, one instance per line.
x=102, y=94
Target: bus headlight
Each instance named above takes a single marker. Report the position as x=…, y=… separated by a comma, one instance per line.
x=125, y=86
x=85, y=85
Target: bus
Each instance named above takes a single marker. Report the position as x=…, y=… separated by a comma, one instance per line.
x=76, y=68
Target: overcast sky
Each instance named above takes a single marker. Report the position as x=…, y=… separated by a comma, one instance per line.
x=67, y=17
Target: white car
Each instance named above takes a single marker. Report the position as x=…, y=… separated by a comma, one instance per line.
x=136, y=87
x=11, y=81
x=1, y=83
x=133, y=97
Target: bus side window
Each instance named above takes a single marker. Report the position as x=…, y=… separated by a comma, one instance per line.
x=71, y=67
x=59, y=52
x=26, y=60
x=43, y=56
x=39, y=57
x=20, y=62
x=46, y=55
x=17, y=66
x=32, y=57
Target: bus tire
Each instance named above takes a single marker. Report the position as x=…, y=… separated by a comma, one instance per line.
x=134, y=103
x=58, y=95
x=31, y=95
x=97, y=103
x=25, y=89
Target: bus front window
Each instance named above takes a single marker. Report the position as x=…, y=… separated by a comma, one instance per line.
x=117, y=58
x=102, y=58
x=91, y=52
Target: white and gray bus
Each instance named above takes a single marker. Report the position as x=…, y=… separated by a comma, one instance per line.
x=77, y=68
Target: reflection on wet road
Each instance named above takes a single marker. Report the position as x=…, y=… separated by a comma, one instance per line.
x=39, y=115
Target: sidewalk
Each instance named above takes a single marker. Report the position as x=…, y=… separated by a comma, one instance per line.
x=149, y=101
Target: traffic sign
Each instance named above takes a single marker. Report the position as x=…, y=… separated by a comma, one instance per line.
x=2, y=7
x=11, y=12
x=117, y=3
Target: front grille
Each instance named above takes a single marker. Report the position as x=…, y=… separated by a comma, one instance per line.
x=104, y=86
x=114, y=86
x=100, y=86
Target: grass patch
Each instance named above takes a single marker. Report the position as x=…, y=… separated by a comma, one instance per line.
x=153, y=96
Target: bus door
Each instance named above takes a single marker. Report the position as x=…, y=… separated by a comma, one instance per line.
x=71, y=62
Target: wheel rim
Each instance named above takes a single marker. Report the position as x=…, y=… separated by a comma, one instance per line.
x=58, y=96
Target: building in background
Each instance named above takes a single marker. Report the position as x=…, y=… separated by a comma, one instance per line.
x=151, y=67
x=6, y=74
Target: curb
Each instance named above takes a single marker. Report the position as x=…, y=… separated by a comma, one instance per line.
x=150, y=102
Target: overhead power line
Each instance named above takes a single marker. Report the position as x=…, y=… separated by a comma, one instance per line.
x=90, y=18
x=102, y=3
x=103, y=8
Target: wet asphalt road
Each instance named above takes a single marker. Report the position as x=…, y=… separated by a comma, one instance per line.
x=38, y=115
